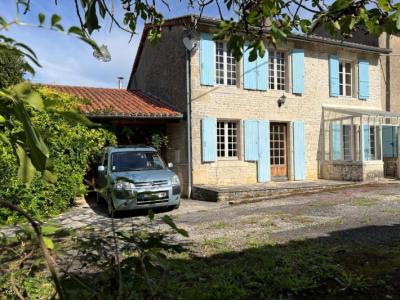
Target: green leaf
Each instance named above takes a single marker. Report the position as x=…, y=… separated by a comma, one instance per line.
x=50, y=229
x=151, y=214
x=398, y=20
x=59, y=27
x=49, y=176
x=25, y=92
x=168, y=220
x=48, y=242
x=75, y=30
x=41, y=18
x=26, y=170
x=55, y=19
x=3, y=23
x=4, y=139
x=91, y=20
x=2, y=119
x=37, y=148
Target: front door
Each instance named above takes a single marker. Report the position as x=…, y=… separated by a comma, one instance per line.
x=278, y=149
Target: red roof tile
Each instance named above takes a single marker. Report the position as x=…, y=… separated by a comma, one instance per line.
x=108, y=102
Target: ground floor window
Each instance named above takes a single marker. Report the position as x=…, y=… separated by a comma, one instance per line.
x=227, y=139
x=371, y=142
x=345, y=141
x=346, y=136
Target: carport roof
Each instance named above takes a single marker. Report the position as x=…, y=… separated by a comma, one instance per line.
x=358, y=112
x=120, y=103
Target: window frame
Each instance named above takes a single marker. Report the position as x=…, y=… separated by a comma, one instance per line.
x=226, y=139
x=286, y=71
x=225, y=70
x=342, y=76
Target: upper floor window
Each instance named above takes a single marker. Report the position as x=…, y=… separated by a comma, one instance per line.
x=225, y=65
x=227, y=139
x=345, y=78
x=277, y=70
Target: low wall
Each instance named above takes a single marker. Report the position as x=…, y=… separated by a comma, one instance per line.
x=352, y=171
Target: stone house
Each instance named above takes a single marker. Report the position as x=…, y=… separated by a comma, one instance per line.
x=390, y=64
x=310, y=108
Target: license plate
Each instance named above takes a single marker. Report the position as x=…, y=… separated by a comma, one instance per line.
x=159, y=195
x=162, y=195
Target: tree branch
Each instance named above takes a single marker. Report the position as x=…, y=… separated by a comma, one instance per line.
x=37, y=228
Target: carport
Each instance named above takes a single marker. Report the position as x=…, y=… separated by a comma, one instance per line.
x=359, y=144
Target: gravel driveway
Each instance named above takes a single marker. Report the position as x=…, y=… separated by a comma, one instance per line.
x=272, y=221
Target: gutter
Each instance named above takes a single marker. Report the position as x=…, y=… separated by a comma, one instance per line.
x=95, y=116
x=315, y=39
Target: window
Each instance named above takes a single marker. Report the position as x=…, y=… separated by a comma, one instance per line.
x=276, y=70
x=227, y=136
x=346, y=142
x=225, y=65
x=345, y=79
x=372, y=147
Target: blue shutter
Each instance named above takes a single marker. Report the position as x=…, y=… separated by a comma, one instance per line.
x=299, y=155
x=389, y=141
x=298, y=71
x=207, y=57
x=249, y=70
x=209, y=139
x=333, y=76
x=336, y=140
x=263, y=165
x=363, y=79
x=262, y=72
x=366, y=150
x=251, y=140
x=255, y=73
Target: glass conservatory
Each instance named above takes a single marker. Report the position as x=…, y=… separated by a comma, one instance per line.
x=359, y=144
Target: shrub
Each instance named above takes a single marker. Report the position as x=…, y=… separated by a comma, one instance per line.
x=73, y=147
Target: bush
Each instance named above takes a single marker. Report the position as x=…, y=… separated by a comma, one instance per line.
x=73, y=148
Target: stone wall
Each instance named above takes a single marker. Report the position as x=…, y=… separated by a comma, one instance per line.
x=372, y=170
x=177, y=151
x=391, y=73
x=236, y=103
x=161, y=72
x=352, y=171
x=348, y=171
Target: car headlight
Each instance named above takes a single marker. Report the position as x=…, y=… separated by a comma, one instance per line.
x=175, y=180
x=124, y=185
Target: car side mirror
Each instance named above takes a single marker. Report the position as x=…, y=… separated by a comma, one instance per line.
x=100, y=169
x=170, y=165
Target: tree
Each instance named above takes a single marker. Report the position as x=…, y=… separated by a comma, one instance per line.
x=12, y=69
x=252, y=20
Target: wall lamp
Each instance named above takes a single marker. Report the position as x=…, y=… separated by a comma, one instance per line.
x=281, y=100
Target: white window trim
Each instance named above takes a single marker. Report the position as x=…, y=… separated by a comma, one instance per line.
x=352, y=81
x=225, y=66
x=238, y=141
x=286, y=70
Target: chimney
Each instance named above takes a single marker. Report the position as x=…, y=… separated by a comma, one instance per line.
x=120, y=80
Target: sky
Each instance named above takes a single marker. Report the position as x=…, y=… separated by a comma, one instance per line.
x=67, y=60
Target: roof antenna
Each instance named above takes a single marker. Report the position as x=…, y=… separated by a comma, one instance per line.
x=120, y=79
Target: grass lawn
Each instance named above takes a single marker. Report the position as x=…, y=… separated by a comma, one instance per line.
x=330, y=267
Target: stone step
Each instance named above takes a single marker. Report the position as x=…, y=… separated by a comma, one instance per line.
x=234, y=195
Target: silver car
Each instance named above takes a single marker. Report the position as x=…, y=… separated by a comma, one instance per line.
x=135, y=177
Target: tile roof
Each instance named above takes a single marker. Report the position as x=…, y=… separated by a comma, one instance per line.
x=107, y=102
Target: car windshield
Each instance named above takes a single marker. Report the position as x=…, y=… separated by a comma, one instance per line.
x=136, y=161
